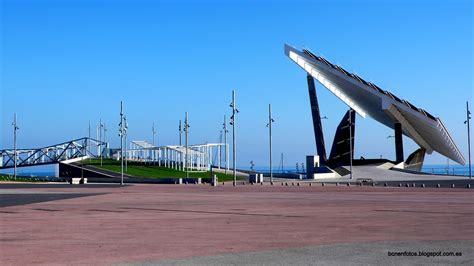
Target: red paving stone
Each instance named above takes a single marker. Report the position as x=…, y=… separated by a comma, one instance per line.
x=154, y=222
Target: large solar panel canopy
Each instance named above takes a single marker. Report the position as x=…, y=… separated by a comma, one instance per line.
x=367, y=99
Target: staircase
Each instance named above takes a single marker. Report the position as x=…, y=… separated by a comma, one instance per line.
x=342, y=171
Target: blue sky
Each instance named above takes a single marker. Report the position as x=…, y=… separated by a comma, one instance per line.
x=65, y=63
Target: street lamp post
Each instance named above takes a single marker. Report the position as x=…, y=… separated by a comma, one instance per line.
x=105, y=141
x=180, y=132
x=121, y=134
x=269, y=125
x=126, y=148
x=232, y=122
x=153, y=131
x=350, y=140
x=186, y=131
x=101, y=126
x=15, y=128
x=180, y=129
x=468, y=118
x=89, y=140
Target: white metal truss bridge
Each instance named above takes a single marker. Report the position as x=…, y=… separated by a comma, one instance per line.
x=63, y=152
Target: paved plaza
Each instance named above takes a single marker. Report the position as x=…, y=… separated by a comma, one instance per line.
x=248, y=224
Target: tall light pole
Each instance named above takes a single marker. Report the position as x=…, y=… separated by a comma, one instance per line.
x=269, y=125
x=468, y=118
x=105, y=141
x=232, y=122
x=226, y=148
x=89, y=140
x=126, y=151
x=153, y=131
x=101, y=126
x=121, y=134
x=350, y=140
x=180, y=129
x=186, y=131
x=15, y=128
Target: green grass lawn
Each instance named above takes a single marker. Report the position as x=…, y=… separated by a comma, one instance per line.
x=18, y=179
x=151, y=171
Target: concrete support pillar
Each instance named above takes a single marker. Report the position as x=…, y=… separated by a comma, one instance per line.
x=398, y=143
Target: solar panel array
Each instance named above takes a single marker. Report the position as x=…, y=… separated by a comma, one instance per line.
x=368, y=84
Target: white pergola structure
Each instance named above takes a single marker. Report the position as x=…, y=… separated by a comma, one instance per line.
x=199, y=157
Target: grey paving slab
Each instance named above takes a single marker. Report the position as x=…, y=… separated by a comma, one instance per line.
x=367, y=253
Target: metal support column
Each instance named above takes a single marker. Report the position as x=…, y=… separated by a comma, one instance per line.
x=398, y=142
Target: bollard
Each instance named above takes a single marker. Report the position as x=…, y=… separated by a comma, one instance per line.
x=399, y=184
x=468, y=186
x=292, y=183
x=322, y=184
x=271, y=183
x=186, y=182
x=337, y=184
x=422, y=185
x=223, y=183
x=407, y=185
x=298, y=184
x=453, y=186
x=413, y=184
x=261, y=184
x=310, y=184
x=438, y=186
x=214, y=181
x=373, y=184
x=286, y=183
x=348, y=184
x=385, y=184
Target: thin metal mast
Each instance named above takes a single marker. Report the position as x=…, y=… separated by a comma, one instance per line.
x=100, y=140
x=269, y=125
x=105, y=142
x=89, y=140
x=121, y=133
x=234, y=146
x=126, y=148
x=153, y=131
x=15, y=128
x=186, y=131
x=468, y=118
x=350, y=140
x=180, y=129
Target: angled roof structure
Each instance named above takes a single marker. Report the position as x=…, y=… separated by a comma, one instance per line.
x=367, y=99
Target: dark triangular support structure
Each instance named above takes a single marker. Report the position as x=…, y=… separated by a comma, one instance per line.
x=317, y=125
x=415, y=160
x=344, y=138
